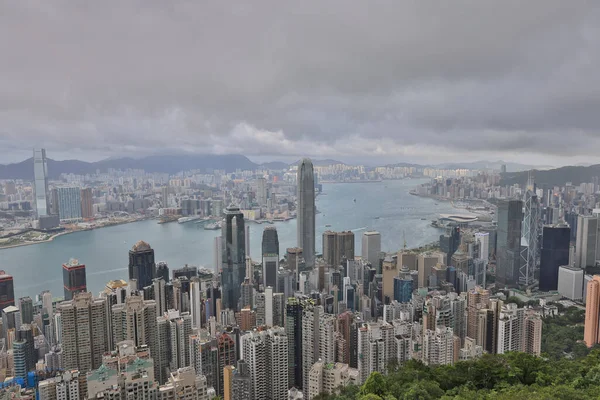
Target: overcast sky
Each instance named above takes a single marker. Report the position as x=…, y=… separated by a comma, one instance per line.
x=372, y=81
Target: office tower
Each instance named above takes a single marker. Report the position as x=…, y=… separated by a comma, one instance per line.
x=218, y=254
x=278, y=309
x=337, y=247
x=69, y=203
x=570, y=282
x=87, y=203
x=11, y=321
x=510, y=329
x=270, y=256
x=24, y=356
x=529, y=241
x=261, y=192
x=196, y=303
x=510, y=217
x=371, y=247
x=246, y=319
x=425, y=264
x=293, y=329
x=234, y=257
x=266, y=353
x=585, y=245
x=403, y=286
x=269, y=306
x=164, y=196
x=7, y=290
x=306, y=211
x=438, y=347
x=74, y=280
x=555, y=253
x=84, y=333
x=141, y=264
x=449, y=242
x=241, y=384
x=26, y=308
x=247, y=241
x=483, y=238
x=188, y=271
x=162, y=271
x=40, y=187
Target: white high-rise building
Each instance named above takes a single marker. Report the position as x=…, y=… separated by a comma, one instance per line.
x=40, y=187
x=66, y=386
x=483, y=238
x=184, y=384
x=371, y=247
x=269, y=306
x=266, y=355
x=261, y=192
x=196, y=303
x=218, y=254
x=438, y=347
x=510, y=329
x=570, y=282
x=310, y=339
x=328, y=378
x=84, y=333
x=376, y=348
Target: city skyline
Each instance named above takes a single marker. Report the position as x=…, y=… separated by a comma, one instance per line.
x=503, y=81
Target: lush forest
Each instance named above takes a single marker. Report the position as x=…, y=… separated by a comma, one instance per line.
x=567, y=370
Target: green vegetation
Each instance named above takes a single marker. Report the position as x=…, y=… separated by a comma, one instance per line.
x=498, y=377
x=562, y=335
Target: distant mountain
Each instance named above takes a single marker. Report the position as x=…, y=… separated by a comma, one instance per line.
x=554, y=177
x=162, y=163
x=510, y=167
x=275, y=165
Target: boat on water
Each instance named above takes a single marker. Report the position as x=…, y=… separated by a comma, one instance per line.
x=423, y=219
x=183, y=220
x=327, y=226
x=355, y=200
x=213, y=226
x=377, y=217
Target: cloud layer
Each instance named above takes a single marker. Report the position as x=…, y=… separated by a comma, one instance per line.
x=379, y=80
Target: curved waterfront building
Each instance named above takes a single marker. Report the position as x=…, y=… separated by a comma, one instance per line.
x=234, y=257
x=306, y=211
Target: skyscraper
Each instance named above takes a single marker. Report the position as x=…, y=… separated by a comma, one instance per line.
x=591, y=334
x=40, y=173
x=555, y=253
x=510, y=217
x=69, y=203
x=337, y=246
x=530, y=232
x=7, y=290
x=141, y=264
x=26, y=308
x=306, y=211
x=84, y=332
x=234, y=257
x=293, y=329
x=270, y=256
x=74, y=280
x=87, y=203
x=371, y=247
x=585, y=245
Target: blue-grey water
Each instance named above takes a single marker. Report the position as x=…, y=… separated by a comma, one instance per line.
x=105, y=251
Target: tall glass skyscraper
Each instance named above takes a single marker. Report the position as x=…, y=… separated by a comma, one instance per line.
x=555, y=253
x=234, y=257
x=270, y=256
x=510, y=219
x=40, y=174
x=306, y=211
x=142, y=267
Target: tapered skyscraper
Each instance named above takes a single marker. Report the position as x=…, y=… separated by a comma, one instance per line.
x=40, y=173
x=306, y=211
x=233, y=257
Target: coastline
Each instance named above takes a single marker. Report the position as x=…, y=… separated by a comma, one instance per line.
x=51, y=238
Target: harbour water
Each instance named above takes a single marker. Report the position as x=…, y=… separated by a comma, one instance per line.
x=383, y=206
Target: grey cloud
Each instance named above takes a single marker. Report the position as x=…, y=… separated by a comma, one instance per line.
x=291, y=78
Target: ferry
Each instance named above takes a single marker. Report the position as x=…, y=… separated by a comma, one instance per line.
x=213, y=227
x=183, y=220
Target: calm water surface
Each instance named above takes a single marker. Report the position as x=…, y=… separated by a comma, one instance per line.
x=105, y=251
